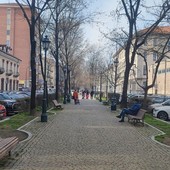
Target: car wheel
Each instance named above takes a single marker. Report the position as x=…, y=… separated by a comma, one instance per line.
x=162, y=115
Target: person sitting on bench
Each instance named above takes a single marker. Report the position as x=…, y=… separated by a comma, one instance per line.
x=133, y=110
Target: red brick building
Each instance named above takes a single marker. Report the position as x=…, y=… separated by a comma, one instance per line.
x=14, y=32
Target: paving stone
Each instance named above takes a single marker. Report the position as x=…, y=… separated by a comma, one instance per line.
x=89, y=137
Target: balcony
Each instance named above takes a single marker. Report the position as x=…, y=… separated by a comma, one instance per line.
x=2, y=70
x=9, y=72
x=16, y=74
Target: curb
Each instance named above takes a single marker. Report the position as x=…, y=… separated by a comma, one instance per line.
x=161, y=133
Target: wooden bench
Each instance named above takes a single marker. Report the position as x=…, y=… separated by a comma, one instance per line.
x=6, y=145
x=139, y=118
x=57, y=105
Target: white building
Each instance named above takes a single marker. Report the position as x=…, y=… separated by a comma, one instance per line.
x=9, y=70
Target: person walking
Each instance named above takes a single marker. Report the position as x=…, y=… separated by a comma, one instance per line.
x=91, y=94
x=75, y=96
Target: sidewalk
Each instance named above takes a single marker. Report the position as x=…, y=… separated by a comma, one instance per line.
x=89, y=137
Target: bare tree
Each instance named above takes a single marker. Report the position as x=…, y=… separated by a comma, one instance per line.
x=134, y=38
x=67, y=16
x=32, y=19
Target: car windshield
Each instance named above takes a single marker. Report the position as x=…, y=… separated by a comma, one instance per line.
x=4, y=97
x=167, y=103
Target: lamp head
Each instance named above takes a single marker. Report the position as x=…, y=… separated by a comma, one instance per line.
x=45, y=43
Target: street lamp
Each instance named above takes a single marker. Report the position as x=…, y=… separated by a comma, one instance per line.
x=45, y=43
x=65, y=84
x=69, y=88
x=114, y=99
x=100, y=96
x=116, y=62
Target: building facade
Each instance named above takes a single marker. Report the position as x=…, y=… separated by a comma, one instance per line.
x=152, y=50
x=15, y=33
x=9, y=71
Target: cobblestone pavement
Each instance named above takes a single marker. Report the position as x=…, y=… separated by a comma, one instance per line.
x=88, y=137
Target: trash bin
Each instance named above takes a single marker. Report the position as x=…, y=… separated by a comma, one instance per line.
x=113, y=103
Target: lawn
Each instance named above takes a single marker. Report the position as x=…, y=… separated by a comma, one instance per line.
x=163, y=126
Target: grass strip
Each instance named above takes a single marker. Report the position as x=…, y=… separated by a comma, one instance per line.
x=163, y=126
x=16, y=121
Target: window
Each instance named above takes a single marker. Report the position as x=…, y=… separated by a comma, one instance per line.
x=145, y=43
x=144, y=83
x=144, y=70
x=8, y=32
x=8, y=43
x=168, y=45
x=8, y=21
x=11, y=65
x=6, y=65
x=155, y=42
x=3, y=63
x=145, y=54
x=155, y=56
x=8, y=11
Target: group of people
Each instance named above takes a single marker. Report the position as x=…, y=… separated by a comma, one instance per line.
x=85, y=94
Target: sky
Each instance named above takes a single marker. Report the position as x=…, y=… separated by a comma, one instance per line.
x=106, y=7
x=104, y=20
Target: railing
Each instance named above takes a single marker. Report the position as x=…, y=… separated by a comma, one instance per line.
x=16, y=74
x=9, y=72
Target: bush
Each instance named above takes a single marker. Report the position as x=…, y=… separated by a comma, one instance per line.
x=112, y=95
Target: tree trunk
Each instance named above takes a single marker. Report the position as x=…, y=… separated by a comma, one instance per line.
x=125, y=87
x=33, y=75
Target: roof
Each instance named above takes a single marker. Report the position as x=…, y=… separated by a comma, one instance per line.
x=3, y=52
x=159, y=30
x=11, y=5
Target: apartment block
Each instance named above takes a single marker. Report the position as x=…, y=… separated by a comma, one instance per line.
x=14, y=32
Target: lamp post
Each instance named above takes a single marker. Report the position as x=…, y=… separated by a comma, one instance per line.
x=100, y=96
x=45, y=43
x=69, y=88
x=116, y=62
x=65, y=84
x=114, y=99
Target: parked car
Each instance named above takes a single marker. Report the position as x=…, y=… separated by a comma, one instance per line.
x=152, y=106
x=2, y=111
x=159, y=99
x=162, y=112
x=11, y=105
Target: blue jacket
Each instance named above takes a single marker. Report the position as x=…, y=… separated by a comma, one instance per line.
x=135, y=108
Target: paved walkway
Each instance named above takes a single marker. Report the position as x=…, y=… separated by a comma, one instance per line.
x=89, y=137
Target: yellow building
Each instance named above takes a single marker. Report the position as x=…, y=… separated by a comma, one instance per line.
x=152, y=50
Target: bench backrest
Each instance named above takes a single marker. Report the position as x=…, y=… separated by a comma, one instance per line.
x=141, y=113
x=55, y=102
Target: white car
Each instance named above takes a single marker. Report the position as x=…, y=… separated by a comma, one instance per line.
x=162, y=112
x=152, y=106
